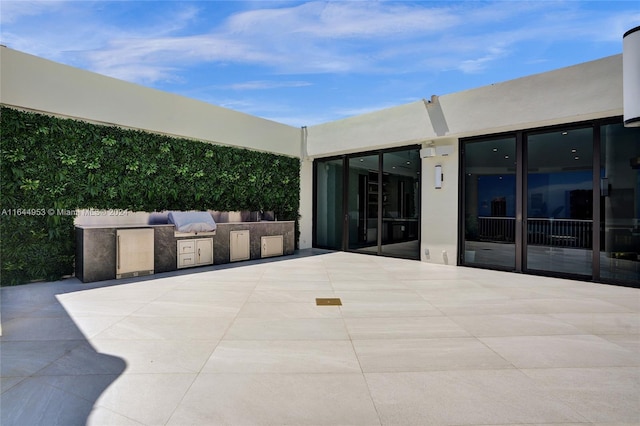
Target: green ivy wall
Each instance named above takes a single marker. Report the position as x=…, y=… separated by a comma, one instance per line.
x=61, y=164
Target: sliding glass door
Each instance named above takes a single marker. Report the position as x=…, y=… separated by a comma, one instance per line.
x=328, y=230
x=620, y=203
x=560, y=201
x=363, y=203
x=369, y=203
x=490, y=202
x=400, y=198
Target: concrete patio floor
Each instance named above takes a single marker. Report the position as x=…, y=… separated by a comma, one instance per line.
x=412, y=344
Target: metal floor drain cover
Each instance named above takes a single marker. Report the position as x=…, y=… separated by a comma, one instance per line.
x=328, y=301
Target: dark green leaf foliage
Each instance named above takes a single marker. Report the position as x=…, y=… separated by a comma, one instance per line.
x=53, y=163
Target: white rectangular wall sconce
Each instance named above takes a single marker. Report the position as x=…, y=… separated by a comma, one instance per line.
x=438, y=176
x=427, y=152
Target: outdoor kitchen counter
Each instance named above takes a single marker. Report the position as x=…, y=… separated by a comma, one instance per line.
x=257, y=230
x=96, y=245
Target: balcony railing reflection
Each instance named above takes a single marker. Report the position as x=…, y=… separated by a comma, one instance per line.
x=559, y=232
x=497, y=229
x=540, y=231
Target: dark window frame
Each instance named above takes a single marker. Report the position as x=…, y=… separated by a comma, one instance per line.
x=521, y=137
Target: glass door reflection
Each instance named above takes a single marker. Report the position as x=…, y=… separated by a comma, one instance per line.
x=366, y=190
x=329, y=204
x=560, y=201
x=400, y=198
x=490, y=202
x=620, y=203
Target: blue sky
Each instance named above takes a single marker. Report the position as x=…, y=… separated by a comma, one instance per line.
x=304, y=63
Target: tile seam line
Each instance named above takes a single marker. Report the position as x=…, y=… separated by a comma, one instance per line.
x=215, y=346
x=355, y=354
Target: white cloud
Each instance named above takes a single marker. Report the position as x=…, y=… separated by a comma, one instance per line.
x=11, y=11
x=313, y=37
x=263, y=84
x=479, y=64
x=338, y=20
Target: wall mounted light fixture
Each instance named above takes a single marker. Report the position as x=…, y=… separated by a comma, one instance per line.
x=439, y=177
x=631, y=77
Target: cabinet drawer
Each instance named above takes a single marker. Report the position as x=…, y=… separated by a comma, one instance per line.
x=186, y=246
x=188, y=259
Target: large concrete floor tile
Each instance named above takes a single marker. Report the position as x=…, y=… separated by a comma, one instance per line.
x=8, y=382
x=309, y=284
x=600, y=394
x=90, y=326
x=40, y=328
x=36, y=402
x=514, y=325
x=455, y=307
x=460, y=294
x=403, y=328
x=308, y=309
x=204, y=295
x=365, y=275
x=131, y=292
x=293, y=295
x=464, y=398
x=598, y=290
x=498, y=279
x=159, y=356
x=218, y=309
x=277, y=399
x=207, y=284
x=96, y=307
x=52, y=309
x=574, y=305
x=604, y=323
x=380, y=296
x=426, y=285
x=396, y=355
x=281, y=356
x=101, y=416
x=36, y=295
x=147, y=398
x=21, y=359
x=82, y=360
x=628, y=341
x=287, y=329
x=166, y=328
x=384, y=303
x=631, y=302
x=561, y=351
x=382, y=309
x=358, y=285
x=295, y=276
x=245, y=273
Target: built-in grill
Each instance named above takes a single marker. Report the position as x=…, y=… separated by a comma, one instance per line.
x=192, y=223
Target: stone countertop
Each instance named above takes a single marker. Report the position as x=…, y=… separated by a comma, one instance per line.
x=142, y=225
x=255, y=222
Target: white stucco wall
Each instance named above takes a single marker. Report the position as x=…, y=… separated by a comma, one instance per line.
x=582, y=92
x=37, y=84
x=306, y=204
x=401, y=125
x=439, y=214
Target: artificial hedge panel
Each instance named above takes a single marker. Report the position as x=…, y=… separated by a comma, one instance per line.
x=53, y=165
